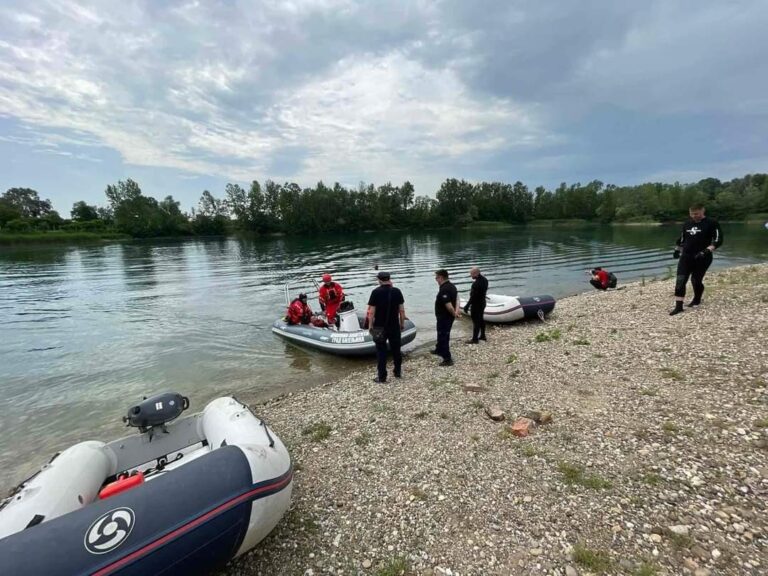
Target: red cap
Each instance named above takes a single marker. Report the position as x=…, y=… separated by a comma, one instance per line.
x=327, y=278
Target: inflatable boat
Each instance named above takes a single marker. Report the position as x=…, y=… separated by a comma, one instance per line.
x=349, y=338
x=176, y=498
x=505, y=309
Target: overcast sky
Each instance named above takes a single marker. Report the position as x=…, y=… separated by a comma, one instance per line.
x=187, y=96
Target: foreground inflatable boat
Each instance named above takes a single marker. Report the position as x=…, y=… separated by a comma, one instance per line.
x=505, y=309
x=180, y=498
x=349, y=339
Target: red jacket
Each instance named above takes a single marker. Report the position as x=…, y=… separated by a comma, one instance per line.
x=603, y=278
x=299, y=312
x=330, y=297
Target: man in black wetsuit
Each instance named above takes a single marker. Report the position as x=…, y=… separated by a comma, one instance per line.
x=476, y=304
x=698, y=240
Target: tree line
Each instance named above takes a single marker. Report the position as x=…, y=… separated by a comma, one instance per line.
x=291, y=209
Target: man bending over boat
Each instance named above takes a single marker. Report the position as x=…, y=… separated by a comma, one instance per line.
x=330, y=296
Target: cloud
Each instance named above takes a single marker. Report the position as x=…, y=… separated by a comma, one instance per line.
x=346, y=90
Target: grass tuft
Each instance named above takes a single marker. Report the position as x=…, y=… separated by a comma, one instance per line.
x=594, y=560
x=318, y=431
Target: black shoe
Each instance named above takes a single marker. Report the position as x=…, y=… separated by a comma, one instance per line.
x=379, y=380
x=676, y=311
x=693, y=303
x=471, y=342
x=483, y=338
x=446, y=363
x=398, y=374
x=435, y=352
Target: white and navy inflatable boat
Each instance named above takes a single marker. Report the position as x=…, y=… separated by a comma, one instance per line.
x=351, y=338
x=505, y=309
x=180, y=498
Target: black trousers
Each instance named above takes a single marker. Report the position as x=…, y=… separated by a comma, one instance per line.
x=444, y=325
x=695, y=269
x=478, y=322
x=394, y=339
x=597, y=284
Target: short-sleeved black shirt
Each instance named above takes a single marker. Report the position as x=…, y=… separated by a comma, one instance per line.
x=380, y=298
x=447, y=293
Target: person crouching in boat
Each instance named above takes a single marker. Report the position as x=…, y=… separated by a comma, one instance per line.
x=331, y=294
x=299, y=311
x=602, y=279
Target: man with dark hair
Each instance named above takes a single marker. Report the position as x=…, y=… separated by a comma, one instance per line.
x=446, y=311
x=476, y=304
x=386, y=311
x=698, y=240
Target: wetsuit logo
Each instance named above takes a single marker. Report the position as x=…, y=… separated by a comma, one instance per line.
x=109, y=531
x=695, y=230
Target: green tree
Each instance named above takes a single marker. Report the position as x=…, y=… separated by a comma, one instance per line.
x=27, y=202
x=82, y=212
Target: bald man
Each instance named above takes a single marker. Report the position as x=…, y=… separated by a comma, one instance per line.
x=476, y=304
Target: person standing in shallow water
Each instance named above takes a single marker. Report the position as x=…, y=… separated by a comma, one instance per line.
x=386, y=309
x=476, y=304
x=446, y=311
x=700, y=237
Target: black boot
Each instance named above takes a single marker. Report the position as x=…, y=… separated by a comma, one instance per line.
x=694, y=302
x=678, y=308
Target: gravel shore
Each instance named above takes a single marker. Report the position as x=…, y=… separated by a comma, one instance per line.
x=655, y=460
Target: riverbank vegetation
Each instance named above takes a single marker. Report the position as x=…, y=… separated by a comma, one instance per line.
x=288, y=208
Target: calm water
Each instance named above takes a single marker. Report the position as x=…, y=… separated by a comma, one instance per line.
x=86, y=331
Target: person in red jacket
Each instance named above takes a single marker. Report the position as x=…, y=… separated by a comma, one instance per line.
x=299, y=311
x=331, y=295
x=602, y=280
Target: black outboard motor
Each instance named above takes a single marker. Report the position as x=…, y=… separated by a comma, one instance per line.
x=156, y=411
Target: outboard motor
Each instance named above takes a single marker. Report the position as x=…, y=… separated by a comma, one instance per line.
x=347, y=317
x=156, y=411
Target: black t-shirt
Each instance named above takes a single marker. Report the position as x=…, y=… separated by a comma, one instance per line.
x=696, y=236
x=446, y=293
x=380, y=298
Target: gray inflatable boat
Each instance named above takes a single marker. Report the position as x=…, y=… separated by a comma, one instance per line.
x=349, y=339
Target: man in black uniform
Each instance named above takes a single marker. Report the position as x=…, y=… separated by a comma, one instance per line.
x=476, y=304
x=446, y=311
x=698, y=240
x=386, y=309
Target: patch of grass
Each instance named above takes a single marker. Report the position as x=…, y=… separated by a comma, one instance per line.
x=421, y=415
x=443, y=416
x=418, y=493
x=381, y=408
x=529, y=451
x=474, y=437
x=512, y=358
x=645, y=569
x=318, y=431
x=671, y=373
x=568, y=438
x=363, y=439
x=614, y=331
x=670, y=427
x=598, y=355
x=581, y=342
x=548, y=335
x=493, y=375
x=394, y=567
x=594, y=560
x=651, y=478
x=761, y=423
x=310, y=525
x=478, y=404
x=574, y=474
x=649, y=392
x=679, y=541
x=585, y=392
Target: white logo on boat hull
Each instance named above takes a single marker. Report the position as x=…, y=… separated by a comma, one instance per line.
x=109, y=531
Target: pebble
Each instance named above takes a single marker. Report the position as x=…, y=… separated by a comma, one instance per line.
x=571, y=571
x=367, y=563
x=716, y=554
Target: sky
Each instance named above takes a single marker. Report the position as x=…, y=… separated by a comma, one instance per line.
x=190, y=95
